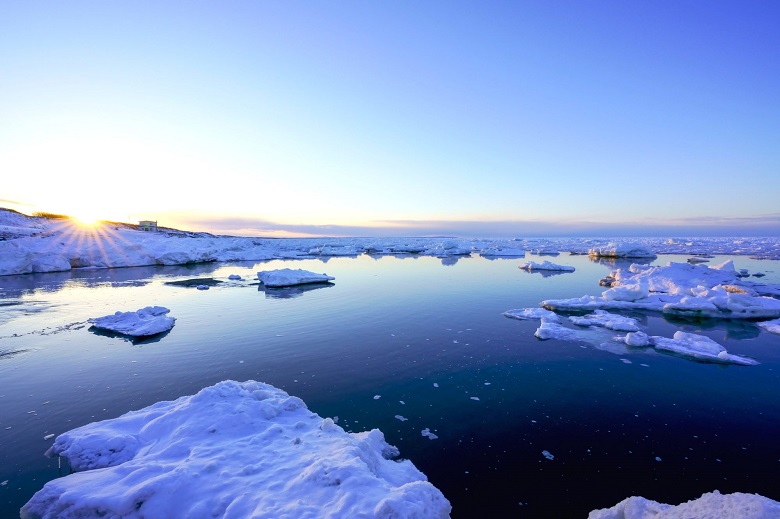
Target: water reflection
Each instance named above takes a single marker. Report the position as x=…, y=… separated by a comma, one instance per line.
x=290, y=292
x=733, y=329
x=547, y=273
x=25, y=284
x=148, y=339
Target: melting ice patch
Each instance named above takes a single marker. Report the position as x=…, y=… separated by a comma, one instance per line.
x=232, y=450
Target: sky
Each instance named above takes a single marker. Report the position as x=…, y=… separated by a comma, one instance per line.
x=382, y=118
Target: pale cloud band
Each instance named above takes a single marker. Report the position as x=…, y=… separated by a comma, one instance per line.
x=764, y=225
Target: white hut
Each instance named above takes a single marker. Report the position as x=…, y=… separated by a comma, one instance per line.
x=148, y=225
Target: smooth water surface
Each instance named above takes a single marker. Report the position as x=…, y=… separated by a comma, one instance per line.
x=415, y=337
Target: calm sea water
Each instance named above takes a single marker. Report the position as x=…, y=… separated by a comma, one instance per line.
x=426, y=336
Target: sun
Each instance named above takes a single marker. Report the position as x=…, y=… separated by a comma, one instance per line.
x=87, y=218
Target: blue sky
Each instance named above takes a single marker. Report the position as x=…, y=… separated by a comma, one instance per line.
x=377, y=118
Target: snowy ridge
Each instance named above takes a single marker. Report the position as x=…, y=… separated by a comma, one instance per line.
x=234, y=450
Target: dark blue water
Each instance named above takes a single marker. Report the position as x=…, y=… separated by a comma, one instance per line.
x=430, y=340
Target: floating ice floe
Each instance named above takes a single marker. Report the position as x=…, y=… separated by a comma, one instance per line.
x=713, y=505
x=621, y=250
x=427, y=432
x=233, y=450
x=680, y=289
x=691, y=345
x=291, y=277
x=234, y=277
x=546, y=265
x=148, y=321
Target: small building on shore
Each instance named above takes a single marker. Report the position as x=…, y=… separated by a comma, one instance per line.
x=148, y=225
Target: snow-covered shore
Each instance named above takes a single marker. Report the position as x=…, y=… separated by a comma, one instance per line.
x=35, y=244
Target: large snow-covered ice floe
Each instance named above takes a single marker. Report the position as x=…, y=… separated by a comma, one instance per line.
x=546, y=265
x=679, y=289
x=712, y=505
x=148, y=321
x=233, y=450
x=291, y=277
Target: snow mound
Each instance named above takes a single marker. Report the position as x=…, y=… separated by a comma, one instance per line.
x=291, y=277
x=233, y=450
x=145, y=322
x=546, y=265
x=713, y=505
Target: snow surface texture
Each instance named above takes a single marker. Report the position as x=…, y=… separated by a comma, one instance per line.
x=290, y=277
x=546, y=265
x=145, y=322
x=680, y=289
x=234, y=450
x=35, y=244
x=713, y=505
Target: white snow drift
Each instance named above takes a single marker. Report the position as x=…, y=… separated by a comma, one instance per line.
x=234, y=450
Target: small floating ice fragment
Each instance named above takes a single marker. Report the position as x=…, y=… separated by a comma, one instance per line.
x=427, y=432
x=548, y=455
